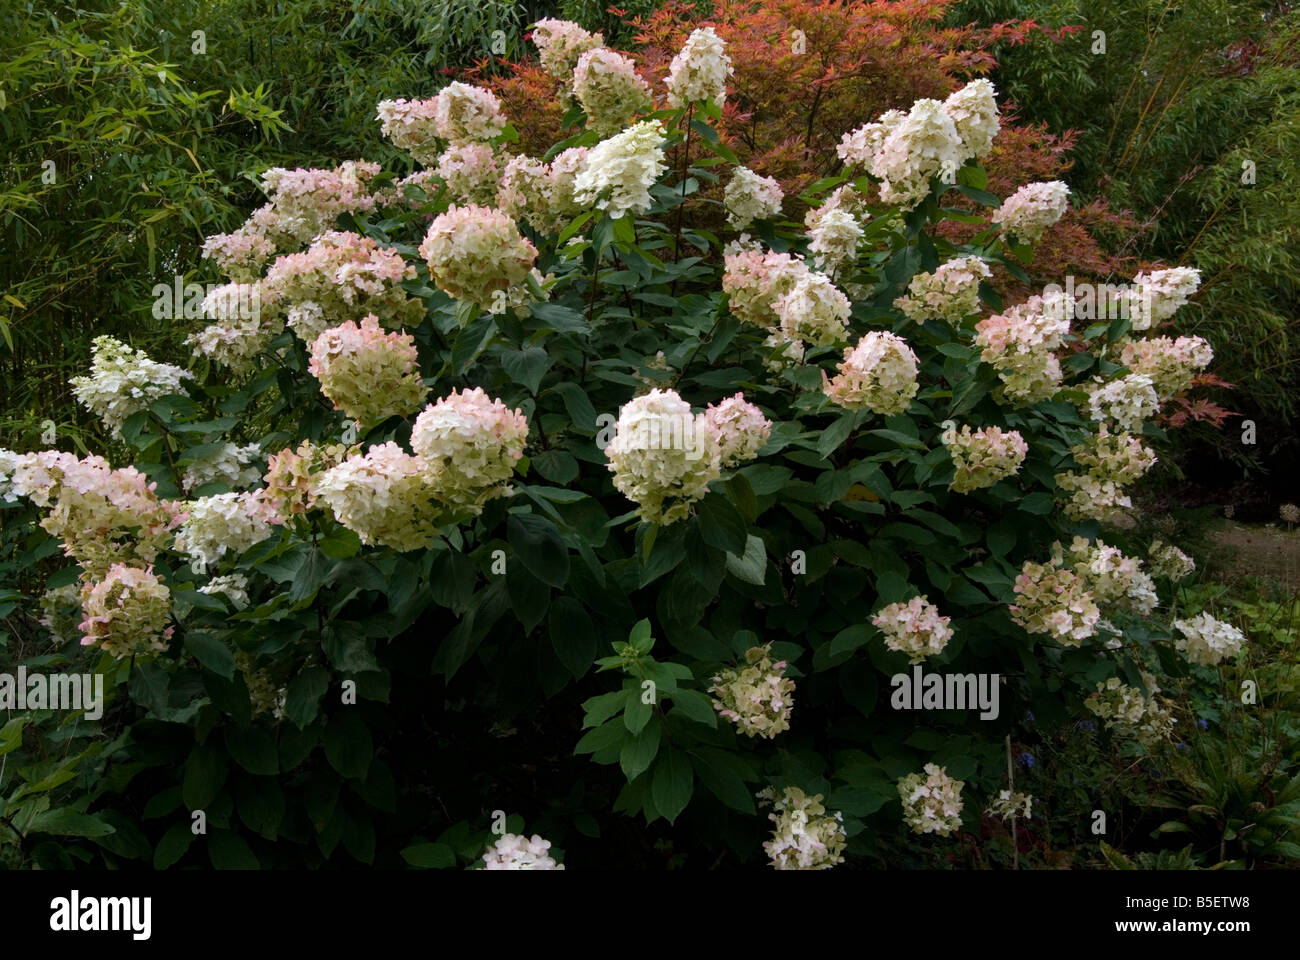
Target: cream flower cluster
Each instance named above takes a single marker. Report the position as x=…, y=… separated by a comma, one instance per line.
x=477, y=254
x=737, y=428
x=1157, y=295
x=1111, y=577
x=368, y=374
x=699, y=71
x=931, y=801
x=950, y=292
x=805, y=836
x=1110, y=461
x=542, y=193
x=906, y=150
x=757, y=697
x=662, y=456
x=833, y=240
x=1130, y=713
x=1128, y=401
x=126, y=612
x=233, y=586
x=1054, y=601
x=410, y=125
x=305, y=203
x=619, y=172
x=1207, y=640
x=1019, y=342
x=610, y=90
x=469, y=445
x=1009, y=805
x=879, y=374
x=221, y=524
x=754, y=279
x=559, y=45
x=265, y=697
x=1028, y=212
x=232, y=465
x=102, y=515
x=463, y=113
x=239, y=255
x=234, y=340
x=123, y=381
x=383, y=497
x=813, y=310
x=341, y=276
x=517, y=852
x=914, y=628
x=1171, y=364
x=1167, y=561
x=749, y=197
x=471, y=172
x=980, y=458
x=61, y=612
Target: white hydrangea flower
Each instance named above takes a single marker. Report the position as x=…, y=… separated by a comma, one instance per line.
x=221, y=524
x=1207, y=640
x=234, y=586
x=749, y=197
x=700, y=70
x=620, y=171
x=123, y=381
x=1169, y=562
x=805, y=837
x=517, y=852
x=231, y=465
x=1128, y=401
x=931, y=801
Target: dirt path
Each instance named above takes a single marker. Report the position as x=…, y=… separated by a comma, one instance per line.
x=1259, y=551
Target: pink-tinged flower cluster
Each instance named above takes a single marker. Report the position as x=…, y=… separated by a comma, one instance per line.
x=950, y=292
x=879, y=374
x=754, y=280
x=1130, y=713
x=471, y=172
x=610, y=90
x=463, y=113
x=699, y=71
x=542, y=193
x=517, y=852
x=662, y=456
x=1027, y=213
x=383, y=497
x=1054, y=601
x=1112, y=578
x=239, y=255
x=1207, y=640
x=123, y=381
x=227, y=523
x=410, y=124
x=905, y=151
x=1171, y=364
x=102, y=515
x=469, y=444
x=477, y=254
x=1167, y=561
x=559, y=45
x=914, y=628
x=290, y=478
x=757, y=697
x=618, y=173
x=342, y=276
x=126, y=612
x=1019, y=342
x=1161, y=293
x=738, y=428
x=1128, y=401
x=805, y=836
x=981, y=458
x=368, y=374
x=931, y=801
x=749, y=197
x=304, y=203
x=1110, y=462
